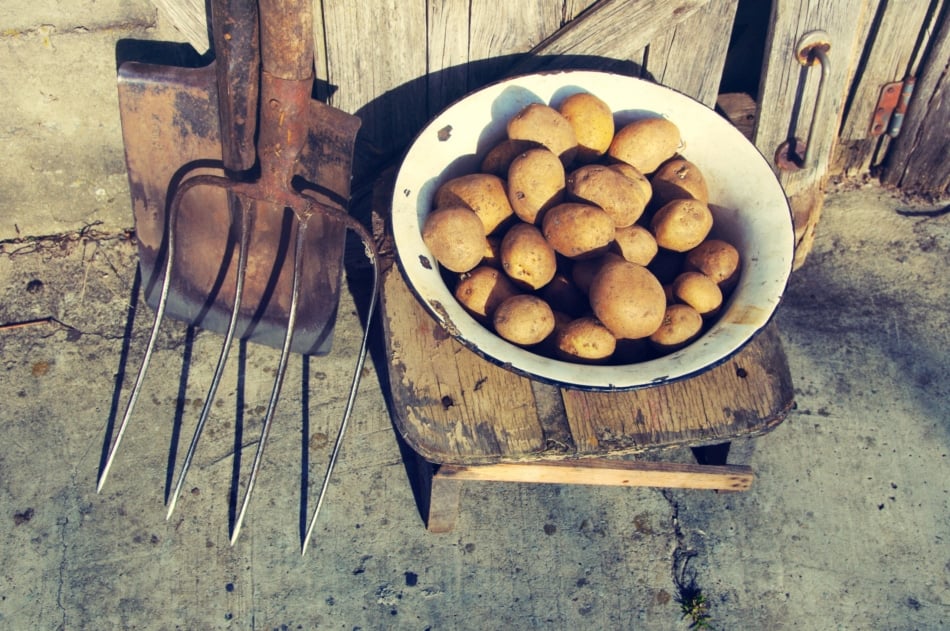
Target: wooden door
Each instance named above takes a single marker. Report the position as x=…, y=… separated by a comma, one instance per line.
x=397, y=63
x=788, y=97
x=919, y=159
x=892, y=54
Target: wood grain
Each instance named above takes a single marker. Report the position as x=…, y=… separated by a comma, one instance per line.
x=607, y=473
x=698, y=39
x=896, y=36
x=190, y=17
x=920, y=162
x=788, y=94
x=609, y=30
x=890, y=50
x=376, y=60
x=749, y=394
x=452, y=406
x=474, y=43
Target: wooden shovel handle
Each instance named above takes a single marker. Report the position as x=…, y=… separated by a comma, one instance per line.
x=236, y=36
x=287, y=38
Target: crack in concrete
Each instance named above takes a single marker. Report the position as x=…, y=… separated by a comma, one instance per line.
x=72, y=332
x=21, y=246
x=64, y=522
x=688, y=592
x=45, y=31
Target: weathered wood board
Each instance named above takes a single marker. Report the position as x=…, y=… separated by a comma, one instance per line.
x=920, y=157
x=397, y=64
x=452, y=406
x=697, y=37
x=788, y=97
x=899, y=34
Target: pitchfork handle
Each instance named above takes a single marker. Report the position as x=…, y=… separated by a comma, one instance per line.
x=287, y=38
x=236, y=36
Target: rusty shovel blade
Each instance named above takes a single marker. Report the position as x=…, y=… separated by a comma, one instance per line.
x=170, y=127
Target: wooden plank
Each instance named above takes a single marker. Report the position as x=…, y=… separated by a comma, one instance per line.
x=747, y=395
x=443, y=504
x=448, y=55
x=889, y=55
x=376, y=60
x=690, y=56
x=889, y=51
x=611, y=30
x=474, y=43
x=502, y=32
x=787, y=97
x=741, y=110
x=920, y=158
x=607, y=473
x=450, y=405
x=190, y=17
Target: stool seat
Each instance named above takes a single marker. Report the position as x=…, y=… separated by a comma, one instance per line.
x=465, y=418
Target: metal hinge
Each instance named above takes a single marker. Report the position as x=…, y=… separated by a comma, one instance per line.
x=891, y=107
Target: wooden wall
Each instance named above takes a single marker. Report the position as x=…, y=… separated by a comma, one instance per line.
x=396, y=63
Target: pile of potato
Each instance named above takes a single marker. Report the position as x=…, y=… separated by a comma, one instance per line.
x=584, y=242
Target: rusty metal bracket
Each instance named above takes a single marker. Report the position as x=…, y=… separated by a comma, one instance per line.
x=886, y=104
x=891, y=106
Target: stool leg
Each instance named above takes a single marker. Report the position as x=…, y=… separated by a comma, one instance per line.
x=444, y=497
x=712, y=454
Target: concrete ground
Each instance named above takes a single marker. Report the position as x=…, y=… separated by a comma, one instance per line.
x=845, y=526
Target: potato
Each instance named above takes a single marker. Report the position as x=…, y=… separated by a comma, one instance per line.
x=526, y=257
x=484, y=193
x=636, y=244
x=535, y=183
x=585, y=340
x=679, y=179
x=546, y=126
x=456, y=238
x=717, y=259
x=593, y=124
x=621, y=198
x=682, y=224
x=524, y=319
x=482, y=290
x=584, y=270
x=698, y=291
x=578, y=230
x=565, y=296
x=628, y=299
x=638, y=178
x=681, y=325
x=646, y=143
x=499, y=157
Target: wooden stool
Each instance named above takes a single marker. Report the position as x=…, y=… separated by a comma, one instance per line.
x=466, y=419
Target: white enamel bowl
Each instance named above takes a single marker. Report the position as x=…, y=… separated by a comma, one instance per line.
x=750, y=211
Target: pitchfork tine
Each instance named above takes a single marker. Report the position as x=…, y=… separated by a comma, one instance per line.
x=245, y=231
x=354, y=385
x=279, y=379
x=153, y=337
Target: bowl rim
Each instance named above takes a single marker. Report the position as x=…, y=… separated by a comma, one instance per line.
x=441, y=316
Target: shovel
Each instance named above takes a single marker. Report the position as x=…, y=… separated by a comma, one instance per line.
x=239, y=184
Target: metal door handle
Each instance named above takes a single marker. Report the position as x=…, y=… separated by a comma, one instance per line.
x=813, y=47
